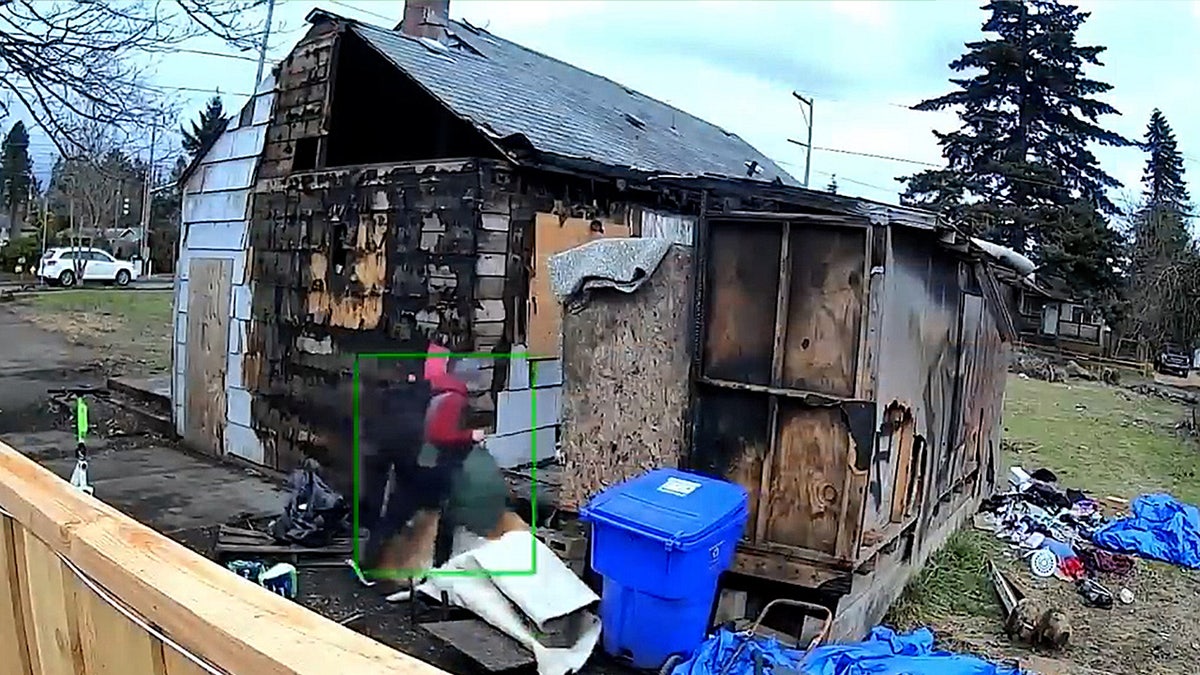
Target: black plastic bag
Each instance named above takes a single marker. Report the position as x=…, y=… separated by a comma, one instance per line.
x=315, y=513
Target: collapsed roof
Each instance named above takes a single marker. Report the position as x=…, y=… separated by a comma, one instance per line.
x=521, y=99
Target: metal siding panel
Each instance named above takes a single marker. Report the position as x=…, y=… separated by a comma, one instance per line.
x=181, y=329
x=227, y=235
x=248, y=142
x=546, y=372
x=677, y=229
x=241, y=441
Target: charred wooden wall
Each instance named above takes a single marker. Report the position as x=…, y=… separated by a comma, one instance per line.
x=625, y=372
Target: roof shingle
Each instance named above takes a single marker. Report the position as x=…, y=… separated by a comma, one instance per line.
x=507, y=90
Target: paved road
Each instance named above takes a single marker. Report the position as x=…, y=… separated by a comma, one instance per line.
x=33, y=360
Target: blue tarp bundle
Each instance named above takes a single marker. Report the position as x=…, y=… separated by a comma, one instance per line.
x=1161, y=527
x=885, y=652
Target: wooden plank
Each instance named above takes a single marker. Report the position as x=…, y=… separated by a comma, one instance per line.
x=732, y=441
x=230, y=622
x=176, y=663
x=53, y=630
x=209, y=284
x=111, y=643
x=554, y=235
x=14, y=644
x=808, y=478
x=777, y=353
x=825, y=309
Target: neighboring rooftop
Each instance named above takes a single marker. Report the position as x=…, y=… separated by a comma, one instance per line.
x=510, y=93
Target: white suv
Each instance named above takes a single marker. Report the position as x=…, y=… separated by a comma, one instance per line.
x=63, y=266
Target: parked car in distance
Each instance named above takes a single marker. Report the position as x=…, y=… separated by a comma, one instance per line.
x=58, y=266
x=1174, y=360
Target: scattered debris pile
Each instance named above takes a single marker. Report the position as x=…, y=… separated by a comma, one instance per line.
x=1039, y=367
x=1065, y=534
x=1165, y=393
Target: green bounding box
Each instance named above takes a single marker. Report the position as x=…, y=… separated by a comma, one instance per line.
x=397, y=574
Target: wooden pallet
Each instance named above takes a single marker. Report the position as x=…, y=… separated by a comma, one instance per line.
x=237, y=541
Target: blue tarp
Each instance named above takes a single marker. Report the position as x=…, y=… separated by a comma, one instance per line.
x=885, y=652
x=1161, y=527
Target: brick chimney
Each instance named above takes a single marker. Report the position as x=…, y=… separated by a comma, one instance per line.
x=425, y=18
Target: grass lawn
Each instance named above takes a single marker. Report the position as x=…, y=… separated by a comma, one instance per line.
x=131, y=330
x=1106, y=441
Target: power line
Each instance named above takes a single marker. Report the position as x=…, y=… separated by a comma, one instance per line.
x=205, y=52
x=364, y=11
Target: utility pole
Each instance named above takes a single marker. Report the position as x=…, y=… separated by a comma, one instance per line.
x=262, y=49
x=808, y=119
x=147, y=199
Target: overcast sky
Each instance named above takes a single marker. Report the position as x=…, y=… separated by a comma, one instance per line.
x=737, y=63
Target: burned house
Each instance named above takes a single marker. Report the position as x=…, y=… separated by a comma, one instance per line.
x=386, y=188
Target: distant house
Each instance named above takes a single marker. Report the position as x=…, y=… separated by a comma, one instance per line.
x=1048, y=315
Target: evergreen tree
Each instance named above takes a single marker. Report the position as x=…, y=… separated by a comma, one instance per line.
x=1019, y=168
x=16, y=170
x=1163, y=177
x=833, y=186
x=1165, y=287
x=205, y=131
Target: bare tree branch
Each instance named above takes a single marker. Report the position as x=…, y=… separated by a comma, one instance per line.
x=82, y=62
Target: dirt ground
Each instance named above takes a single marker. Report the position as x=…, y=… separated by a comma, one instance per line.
x=182, y=495
x=1108, y=441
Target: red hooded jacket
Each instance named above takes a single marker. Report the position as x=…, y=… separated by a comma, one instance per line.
x=444, y=420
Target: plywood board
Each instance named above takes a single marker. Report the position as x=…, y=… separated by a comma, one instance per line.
x=554, y=235
x=741, y=288
x=111, y=643
x=808, y=476
x=732, y=442
x=53, y=629
x=824, y=315
x=625, y=397
x=14, y=647
x=207, y=345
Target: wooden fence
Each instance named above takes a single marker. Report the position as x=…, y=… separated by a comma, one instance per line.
x=85, y=590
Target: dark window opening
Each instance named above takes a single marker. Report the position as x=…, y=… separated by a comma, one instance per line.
x=339, y=251
x=379, y=115
x=304, y=158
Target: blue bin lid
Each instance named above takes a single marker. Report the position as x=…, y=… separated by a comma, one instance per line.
x=674, y=506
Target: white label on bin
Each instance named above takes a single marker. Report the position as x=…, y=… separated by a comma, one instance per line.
x=678, y=487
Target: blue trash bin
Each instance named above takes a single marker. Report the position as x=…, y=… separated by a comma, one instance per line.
x=661, y=542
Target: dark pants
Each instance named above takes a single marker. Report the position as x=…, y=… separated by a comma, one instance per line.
x=417, y=488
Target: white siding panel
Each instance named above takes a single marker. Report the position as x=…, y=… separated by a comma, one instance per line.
x=241, y=441
x=677, y=229
x=234, y=375
x=515, y=409
x=230, y=175
x=262, y=109
x=181, y=329
x=216, y=206
x=242, y=296
x=238, y=406
x=228, y=235
x=222, y=149
x=513, y=450
x=546, y=372
x=179, y=421
x=238, y=257
x=248, y=142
